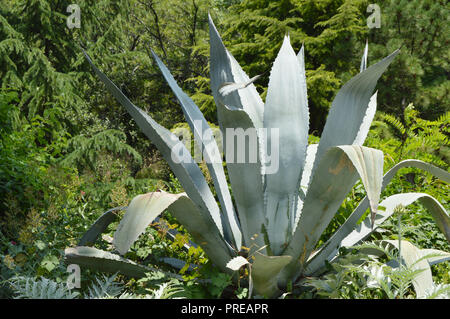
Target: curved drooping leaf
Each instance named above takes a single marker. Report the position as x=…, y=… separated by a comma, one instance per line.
x=99, y=227
x=329, y=249
x=203, y=231
x=435, y=256
x=349, y=108
x=181, y=162
x=265, y=271
x=225, y=69
x=228, y=87
x=236, y=263
x=143, y=209
x=438, y=212
x=286, y=111
x=105, y=261
x=336, y=174
x=203, y=135
x=413, y=259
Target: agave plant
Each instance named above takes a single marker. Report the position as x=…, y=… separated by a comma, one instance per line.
x=274, y=219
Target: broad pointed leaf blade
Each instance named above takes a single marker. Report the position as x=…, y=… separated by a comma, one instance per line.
x=265, y=271
x=141, y=212
x=173, y=151
x=286, y=110
x=336, y=174
x=245, y=175
x=349, y=108
x=225, y=69
x=329, y=249
x=438, y=212
x=412, y=258
x=105, y=261
x=203, y=134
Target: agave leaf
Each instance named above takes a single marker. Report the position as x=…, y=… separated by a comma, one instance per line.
x=177, y=263
x=335, y=176
x=436, y=209
x=200, y=127
x=99, y=227
x=364, y=57
x=228, y=87
x=286, y=110
x=311, y=152
x=225, y=69
x=329, y=249
x=236, y=263
x=349, y=108
x=413, y=259
x=367, y=121
x=202, y=230
x=142, y=210
x=245, y=178
x=435, y=256
x=105, y=261
x=183, y=166
x=265, y=271
x=240, y=109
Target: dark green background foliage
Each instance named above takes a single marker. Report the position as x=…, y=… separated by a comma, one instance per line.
x=69, y=151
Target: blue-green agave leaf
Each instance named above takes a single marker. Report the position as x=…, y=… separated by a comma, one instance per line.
x=200, y=127
x=367, y=121
x=101, y=260
x=336, y=174
x=142, y=211
x=265, y=271
x=225, y=69
x=329, y=249
x=99, y=226
x=349, y=108
x=435, y=256
x=286, y=110
x=438, y=212
x=239, y=109
x=181, y=163
x=144, y=208
x=413, y=259
x=245, y=178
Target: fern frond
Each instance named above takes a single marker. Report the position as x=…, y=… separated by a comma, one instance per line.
x=104, y=287
x=40, y=288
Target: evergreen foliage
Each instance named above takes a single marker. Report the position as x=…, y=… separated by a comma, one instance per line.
x=416, y=138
